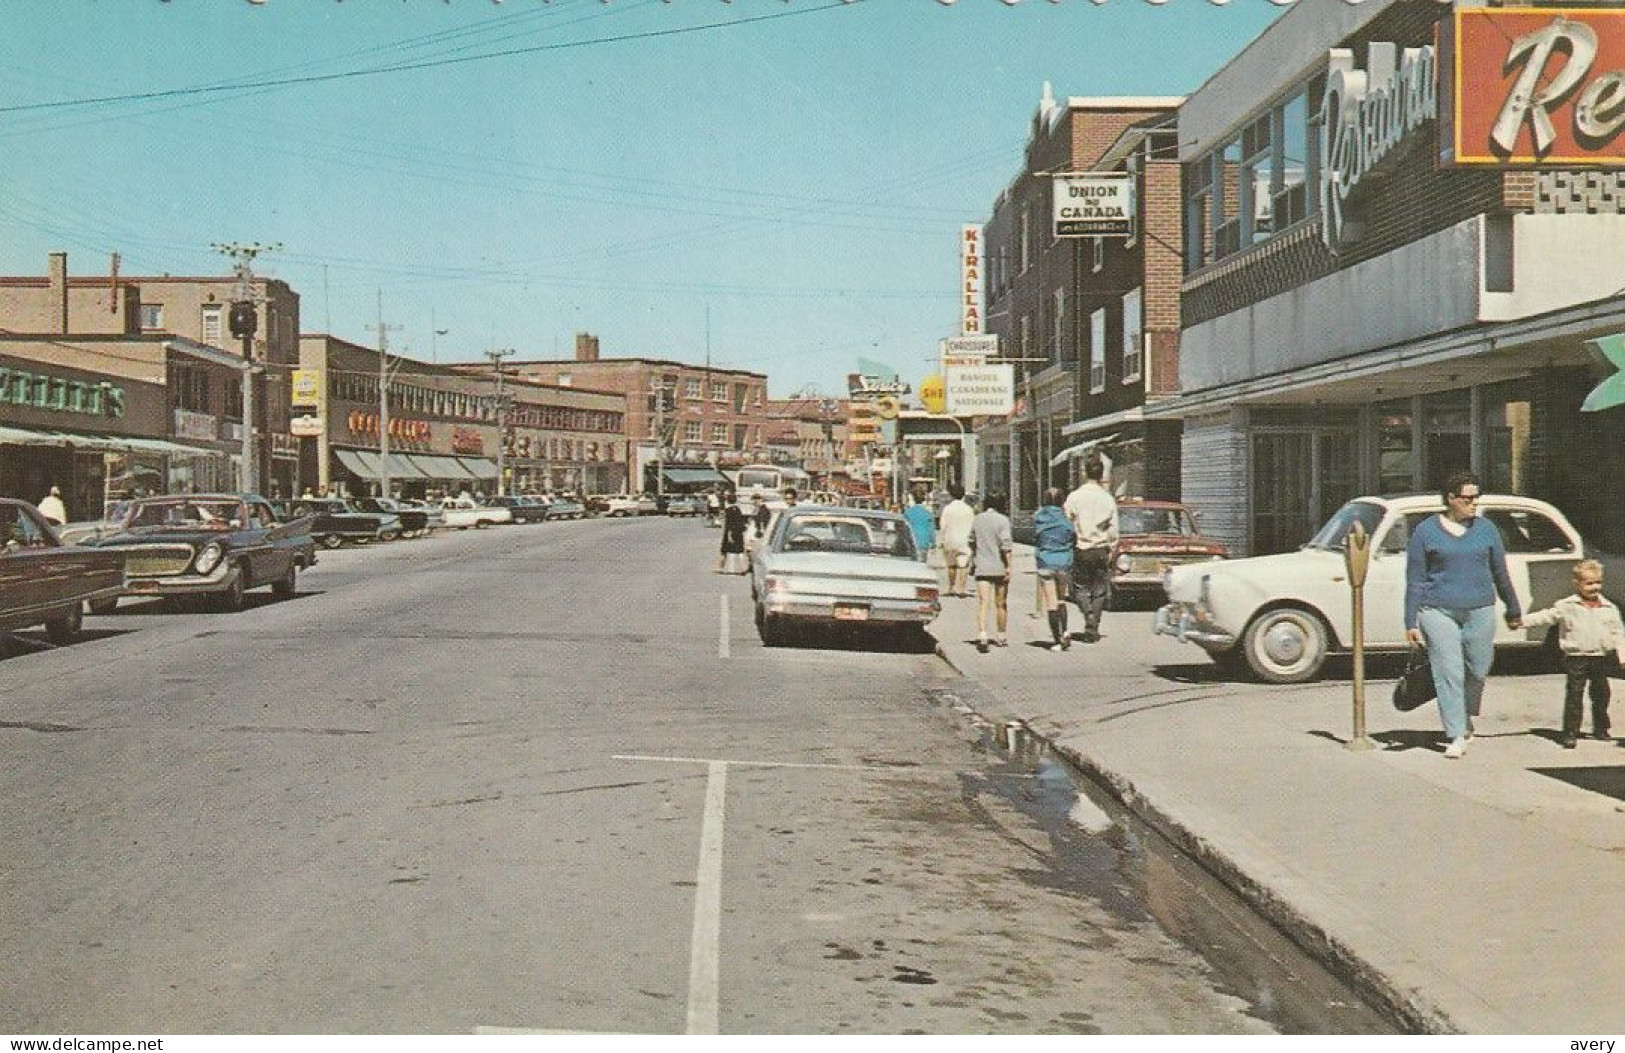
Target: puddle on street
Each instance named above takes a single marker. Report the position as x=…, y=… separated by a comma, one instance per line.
x=1101, y=851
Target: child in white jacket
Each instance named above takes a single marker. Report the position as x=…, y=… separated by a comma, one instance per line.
x=1593, y=641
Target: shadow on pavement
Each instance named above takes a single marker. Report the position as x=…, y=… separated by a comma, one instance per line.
x=13, y=645
x=882, y=641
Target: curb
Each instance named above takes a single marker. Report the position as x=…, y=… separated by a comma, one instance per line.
x=1405, y=1007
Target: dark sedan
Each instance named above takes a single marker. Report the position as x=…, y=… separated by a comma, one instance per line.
x=333, y=521
x=215, y=545
x=414, y=521
x=44, y=582
x=524, y=509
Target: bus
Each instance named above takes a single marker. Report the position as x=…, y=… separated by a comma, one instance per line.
x=767, y=480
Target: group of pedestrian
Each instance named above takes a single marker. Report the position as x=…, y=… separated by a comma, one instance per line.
x=1073, y=539
x=737, y=523
x=1455, y=568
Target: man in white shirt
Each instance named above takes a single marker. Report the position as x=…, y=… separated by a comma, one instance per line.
x=52, y=508
x=1093, y=512
x=953, y=534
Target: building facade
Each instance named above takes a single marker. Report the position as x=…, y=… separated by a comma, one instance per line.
x=1090, y=323
x=450, y=427
x=1385, y=283
x=194, y=309
x=676, y=414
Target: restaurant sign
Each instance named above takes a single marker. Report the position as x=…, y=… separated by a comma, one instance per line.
x=1527, y=86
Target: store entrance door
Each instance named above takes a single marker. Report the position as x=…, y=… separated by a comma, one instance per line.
x=1299, y=478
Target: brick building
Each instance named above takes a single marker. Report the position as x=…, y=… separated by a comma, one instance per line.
x=708, y=418
x=445, y=428
x=1369, y=311
x=1091, y=323
x=192, y=308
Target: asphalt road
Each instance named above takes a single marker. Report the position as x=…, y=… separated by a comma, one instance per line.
x=539, y=778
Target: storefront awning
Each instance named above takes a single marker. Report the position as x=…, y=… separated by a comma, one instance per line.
x=359, y=462
x=434, y=467
x=103, y=443
x=1082, y=449
x=479, y=467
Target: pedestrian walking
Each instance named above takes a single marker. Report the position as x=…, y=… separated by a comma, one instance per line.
x=713, y=507
x=1455, y=567
x=954, y=532
x=733, y=537
x=760, y=515
x=1055, y=542
x=1093, y=512
x=1592, y=639
x=990, y=564
x=52, y=508
x=921, y=523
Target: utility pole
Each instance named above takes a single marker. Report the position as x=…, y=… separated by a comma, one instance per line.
x=658, y=389
x=244, y=322
x=496, y=356
x=384, y=375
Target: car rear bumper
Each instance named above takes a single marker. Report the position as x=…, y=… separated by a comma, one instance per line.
x=844, y=610
x=1186, y=623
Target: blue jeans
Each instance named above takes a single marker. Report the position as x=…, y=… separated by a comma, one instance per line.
x=1461, y=648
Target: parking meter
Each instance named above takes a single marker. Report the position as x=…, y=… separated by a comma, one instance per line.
x=1357, y=554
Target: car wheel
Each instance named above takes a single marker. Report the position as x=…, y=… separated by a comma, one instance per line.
x=62, y=630
x=285, y=588
x=331, y=541
x=1286, y=645
x=104, y=606
x=389, y=535
x=231, y=598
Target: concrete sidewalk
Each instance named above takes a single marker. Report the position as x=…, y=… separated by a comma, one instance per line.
x=1481, y=895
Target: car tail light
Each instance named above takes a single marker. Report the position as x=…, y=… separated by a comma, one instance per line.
x=925, y=592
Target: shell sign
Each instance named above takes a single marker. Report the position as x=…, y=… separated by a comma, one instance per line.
x=934, y=394
x=1527, y=86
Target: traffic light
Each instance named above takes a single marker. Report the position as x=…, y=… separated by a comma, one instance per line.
x=243, y=319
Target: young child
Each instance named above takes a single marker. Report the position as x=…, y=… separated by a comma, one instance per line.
x=1593, y=641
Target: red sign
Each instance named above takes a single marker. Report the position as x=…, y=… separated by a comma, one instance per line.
x=1533, y=86
x=466, y=440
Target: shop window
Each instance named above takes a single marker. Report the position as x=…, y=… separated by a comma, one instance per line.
x=1257, y=180
x=1396, y=453
x=1505, y=417
x=1295, y=171
x=1133, y=339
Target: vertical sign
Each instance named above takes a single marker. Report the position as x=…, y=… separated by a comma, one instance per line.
x=970, y=275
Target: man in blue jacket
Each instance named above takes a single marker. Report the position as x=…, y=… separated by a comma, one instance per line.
x=1054, y=543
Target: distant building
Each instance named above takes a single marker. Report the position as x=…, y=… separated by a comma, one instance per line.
x=679, y=415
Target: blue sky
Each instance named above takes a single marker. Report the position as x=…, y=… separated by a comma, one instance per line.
x=798, y=180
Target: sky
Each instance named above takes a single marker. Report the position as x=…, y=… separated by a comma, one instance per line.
x=778, y=184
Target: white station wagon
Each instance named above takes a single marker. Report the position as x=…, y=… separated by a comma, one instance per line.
x=1283, y=614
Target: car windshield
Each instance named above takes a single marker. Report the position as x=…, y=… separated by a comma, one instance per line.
x=1331, y=536
x=857, y=534
x=216, y=515
x=1153, y=521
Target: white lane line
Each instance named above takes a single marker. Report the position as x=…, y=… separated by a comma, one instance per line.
x=882, y=768
x=705, y=949
x=722, y=640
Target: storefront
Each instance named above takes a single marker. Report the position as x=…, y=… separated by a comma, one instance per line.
x=1362, y=316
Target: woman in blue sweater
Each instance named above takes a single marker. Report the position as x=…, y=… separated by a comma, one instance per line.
x=1455, y=567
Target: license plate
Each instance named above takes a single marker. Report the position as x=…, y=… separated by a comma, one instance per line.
x=849, y=613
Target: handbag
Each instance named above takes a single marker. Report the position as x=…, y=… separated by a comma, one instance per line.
x=1415, y=684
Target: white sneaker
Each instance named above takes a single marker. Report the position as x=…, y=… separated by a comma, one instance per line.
x=1056, y=646
x=1456, y=750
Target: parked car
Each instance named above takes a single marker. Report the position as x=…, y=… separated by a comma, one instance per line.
x=463, y=515
x=598, y=503
x=1283, y=614
x=335, y=521
x=564, y=508
x=434, y=518
x=216, y=545
x=45, y=582
x=685, y=505
x=627, y=505
x=840, y=566
x=1152, y=536
x=523, y=509
x=414, y=521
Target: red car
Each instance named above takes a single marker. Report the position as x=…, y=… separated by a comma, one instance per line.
x=1152, y=535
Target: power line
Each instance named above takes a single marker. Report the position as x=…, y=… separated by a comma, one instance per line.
x=405, y=67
